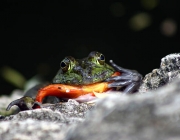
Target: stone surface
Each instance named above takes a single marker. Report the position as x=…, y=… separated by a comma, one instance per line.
x=51, y=122
x=31, y=129
x=152, y=113
x=151, y=116
x=168, y=71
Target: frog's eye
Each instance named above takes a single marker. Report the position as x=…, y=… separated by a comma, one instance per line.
x=97, y=58
x=101, y=59
x=65, y=65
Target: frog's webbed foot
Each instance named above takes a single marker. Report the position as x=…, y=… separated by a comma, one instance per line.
x=129, y=79
x=24, y=103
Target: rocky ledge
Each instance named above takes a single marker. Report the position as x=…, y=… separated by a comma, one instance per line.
x=152, y=113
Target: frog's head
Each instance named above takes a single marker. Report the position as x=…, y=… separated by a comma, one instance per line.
x=89, y=70
x=68, y=73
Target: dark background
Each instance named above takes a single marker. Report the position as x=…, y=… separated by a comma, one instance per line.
x=38, y=34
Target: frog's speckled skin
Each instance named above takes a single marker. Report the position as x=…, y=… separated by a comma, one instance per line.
x=89, y=70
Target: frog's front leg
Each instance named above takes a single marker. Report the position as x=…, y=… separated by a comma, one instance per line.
x=130, y=79
x=24, y=103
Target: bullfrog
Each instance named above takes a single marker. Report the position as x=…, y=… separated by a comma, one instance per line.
x=78, y=78
x=89, y=70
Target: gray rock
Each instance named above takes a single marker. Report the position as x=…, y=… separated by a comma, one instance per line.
x=31, y=129
x=55, y=112
x=50, y=122
x=168, y=71
x=151, y=116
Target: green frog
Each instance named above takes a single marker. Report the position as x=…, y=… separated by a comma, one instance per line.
x=87, y=71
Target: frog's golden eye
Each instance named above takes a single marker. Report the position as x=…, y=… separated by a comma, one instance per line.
x=101, y=59
x=97, y=58
x=65, y=64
